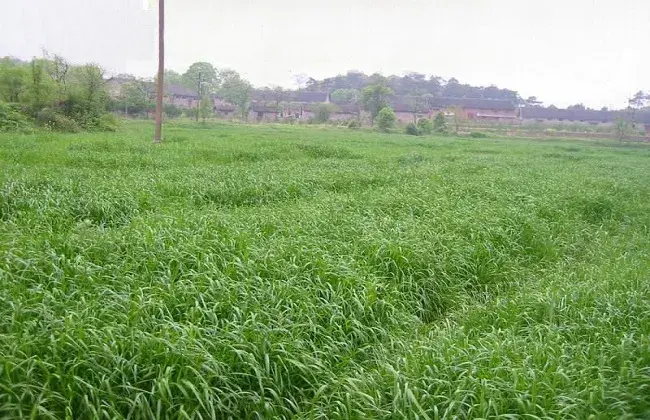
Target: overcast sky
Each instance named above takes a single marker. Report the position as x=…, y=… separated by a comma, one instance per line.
x=563, y=51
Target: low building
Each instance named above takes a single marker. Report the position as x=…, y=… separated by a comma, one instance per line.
x=181, y=96
x=345, y=112
x=556, y=116
x=492, y=110
x=263, y=113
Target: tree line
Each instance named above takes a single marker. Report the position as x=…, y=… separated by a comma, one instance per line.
x=51, y=92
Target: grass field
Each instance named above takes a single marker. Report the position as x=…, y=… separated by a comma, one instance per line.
x=278, y=271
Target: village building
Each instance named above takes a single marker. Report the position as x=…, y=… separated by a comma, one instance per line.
x=490, y=110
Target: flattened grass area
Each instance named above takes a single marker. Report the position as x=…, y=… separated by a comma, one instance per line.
x=277, y=271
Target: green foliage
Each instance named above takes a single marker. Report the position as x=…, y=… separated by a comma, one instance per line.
x=40, y=88
x=439, y=123
x=412, y=129
x=137, y=97
x=346, y=95
x=108, y=122
x=206, y=108
x=477, y=135
x=61, y=97
x=354, y=124
x=12, y=118
x=172, y=111
x=323, y=112
x=425, y=126
x=621, y=128
x=13, y=78
x=201, y=77
x=236, y=91
x=55, y=120
x=375, y=98
x=386, y=119
x=290, y=272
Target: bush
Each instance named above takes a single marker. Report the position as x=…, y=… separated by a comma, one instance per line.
x=191, y=112
x=477, y=135
x=108, y=122
x=322, y=113
x=386, y=119
x=425, y=126
x=412, y=129
x=172, y=111
x=354, y=124
x=52, y=119
x=439, y=123
x=12, y=119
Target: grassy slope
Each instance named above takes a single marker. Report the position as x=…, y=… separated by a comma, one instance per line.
x=237, y=271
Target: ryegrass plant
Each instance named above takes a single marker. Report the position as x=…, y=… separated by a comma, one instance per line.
x=277, y=271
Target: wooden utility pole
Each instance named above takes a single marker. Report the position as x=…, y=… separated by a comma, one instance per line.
x=161, y=71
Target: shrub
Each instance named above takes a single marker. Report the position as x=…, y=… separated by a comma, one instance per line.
x=172, y=111
x=12, y=119
x=477, y=135
x=412, y=129
x=108, y=122
x=322, y=113
x=425, y=126
x=54, y=120
x=439, y=123
x=386, y=119
x=354, y=124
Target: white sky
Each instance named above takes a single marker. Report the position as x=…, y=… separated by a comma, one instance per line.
x=563, y=51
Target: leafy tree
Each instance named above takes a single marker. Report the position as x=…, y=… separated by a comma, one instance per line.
x=412, y=129
x=386, y=119
x=419, y=103
x=621, y=127
x=40, y=89
x=172, y=111
x=87, y=98
x=324, y=112
x=577, y=107
x=136, y=97
x=172, y=77
x=13, y=78
x=532, y=101
x=203, y=78
x=375, y=98
x=638, y=100
x=425, y=126
x=439, y=123
x=346, y=96
x=205, y=108
x=279, y=97
x=237, y=91
x=58, y=68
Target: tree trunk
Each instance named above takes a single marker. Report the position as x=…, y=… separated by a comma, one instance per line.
x=161, y=71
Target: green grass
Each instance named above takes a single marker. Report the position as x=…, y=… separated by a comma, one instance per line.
x=277, y=271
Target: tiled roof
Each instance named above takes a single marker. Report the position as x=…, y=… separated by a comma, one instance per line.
x=178, y=90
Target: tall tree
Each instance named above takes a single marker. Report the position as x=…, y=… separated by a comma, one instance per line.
x=375, y=97
x=136, y=97
x=639, y=100
x=13, y=78
x=419, y=103
x=40, y=88
x=236, y=90
x=201, y=77
x=532, y=101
